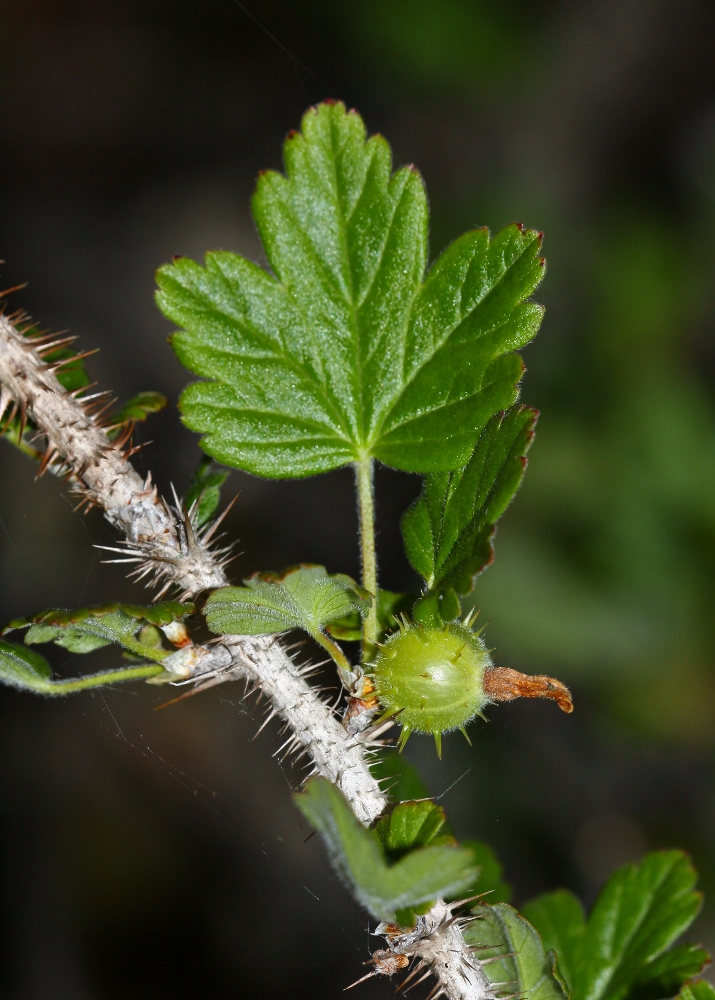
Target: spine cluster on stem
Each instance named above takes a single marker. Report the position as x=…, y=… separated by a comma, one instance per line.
x=161, y=541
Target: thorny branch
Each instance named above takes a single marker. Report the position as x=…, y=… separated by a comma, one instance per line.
x=163, y=543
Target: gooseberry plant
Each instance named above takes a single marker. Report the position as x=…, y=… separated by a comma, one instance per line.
x=349, y=351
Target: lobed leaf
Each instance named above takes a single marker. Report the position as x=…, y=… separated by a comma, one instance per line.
x=306, y=597
x=525, y=965
x=621, y=952
x=383, y=889
x=448, y=530
x=348, y=350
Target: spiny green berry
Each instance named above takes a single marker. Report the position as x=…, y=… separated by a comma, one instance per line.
x=434, y=678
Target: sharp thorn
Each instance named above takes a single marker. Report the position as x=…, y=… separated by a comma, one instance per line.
x=362, y=980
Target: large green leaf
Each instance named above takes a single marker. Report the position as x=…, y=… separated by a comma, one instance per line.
x=621, y=952
x=448, y=530
x=306, y=597
x=347, y=350
x=525, y=965
x=91, y=628
x=382, y=888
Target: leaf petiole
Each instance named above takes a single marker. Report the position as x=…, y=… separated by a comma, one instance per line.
x=364, y=485
x=99, y=680
x=346, y=670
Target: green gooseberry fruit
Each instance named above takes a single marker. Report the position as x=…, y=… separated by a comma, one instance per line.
x=432, y=677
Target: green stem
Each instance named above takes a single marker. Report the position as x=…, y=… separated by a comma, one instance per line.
x=141, y=649
x=366, y=508
x=97, y=680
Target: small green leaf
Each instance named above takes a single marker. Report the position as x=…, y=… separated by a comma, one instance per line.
x=348, y=350
x=448, y=530
x=621, y=952
x=91, y=628
x=410, y=825
x=697, y=990
x=139, y=407
x=76, y=640
x=205, y=490
x=382, y=888
x=526, y=966
x=23, y=668
x=306, y=597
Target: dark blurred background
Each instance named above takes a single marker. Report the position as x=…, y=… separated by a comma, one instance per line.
x=156, y=855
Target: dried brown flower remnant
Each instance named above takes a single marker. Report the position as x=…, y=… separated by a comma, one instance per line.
x=504, y=684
